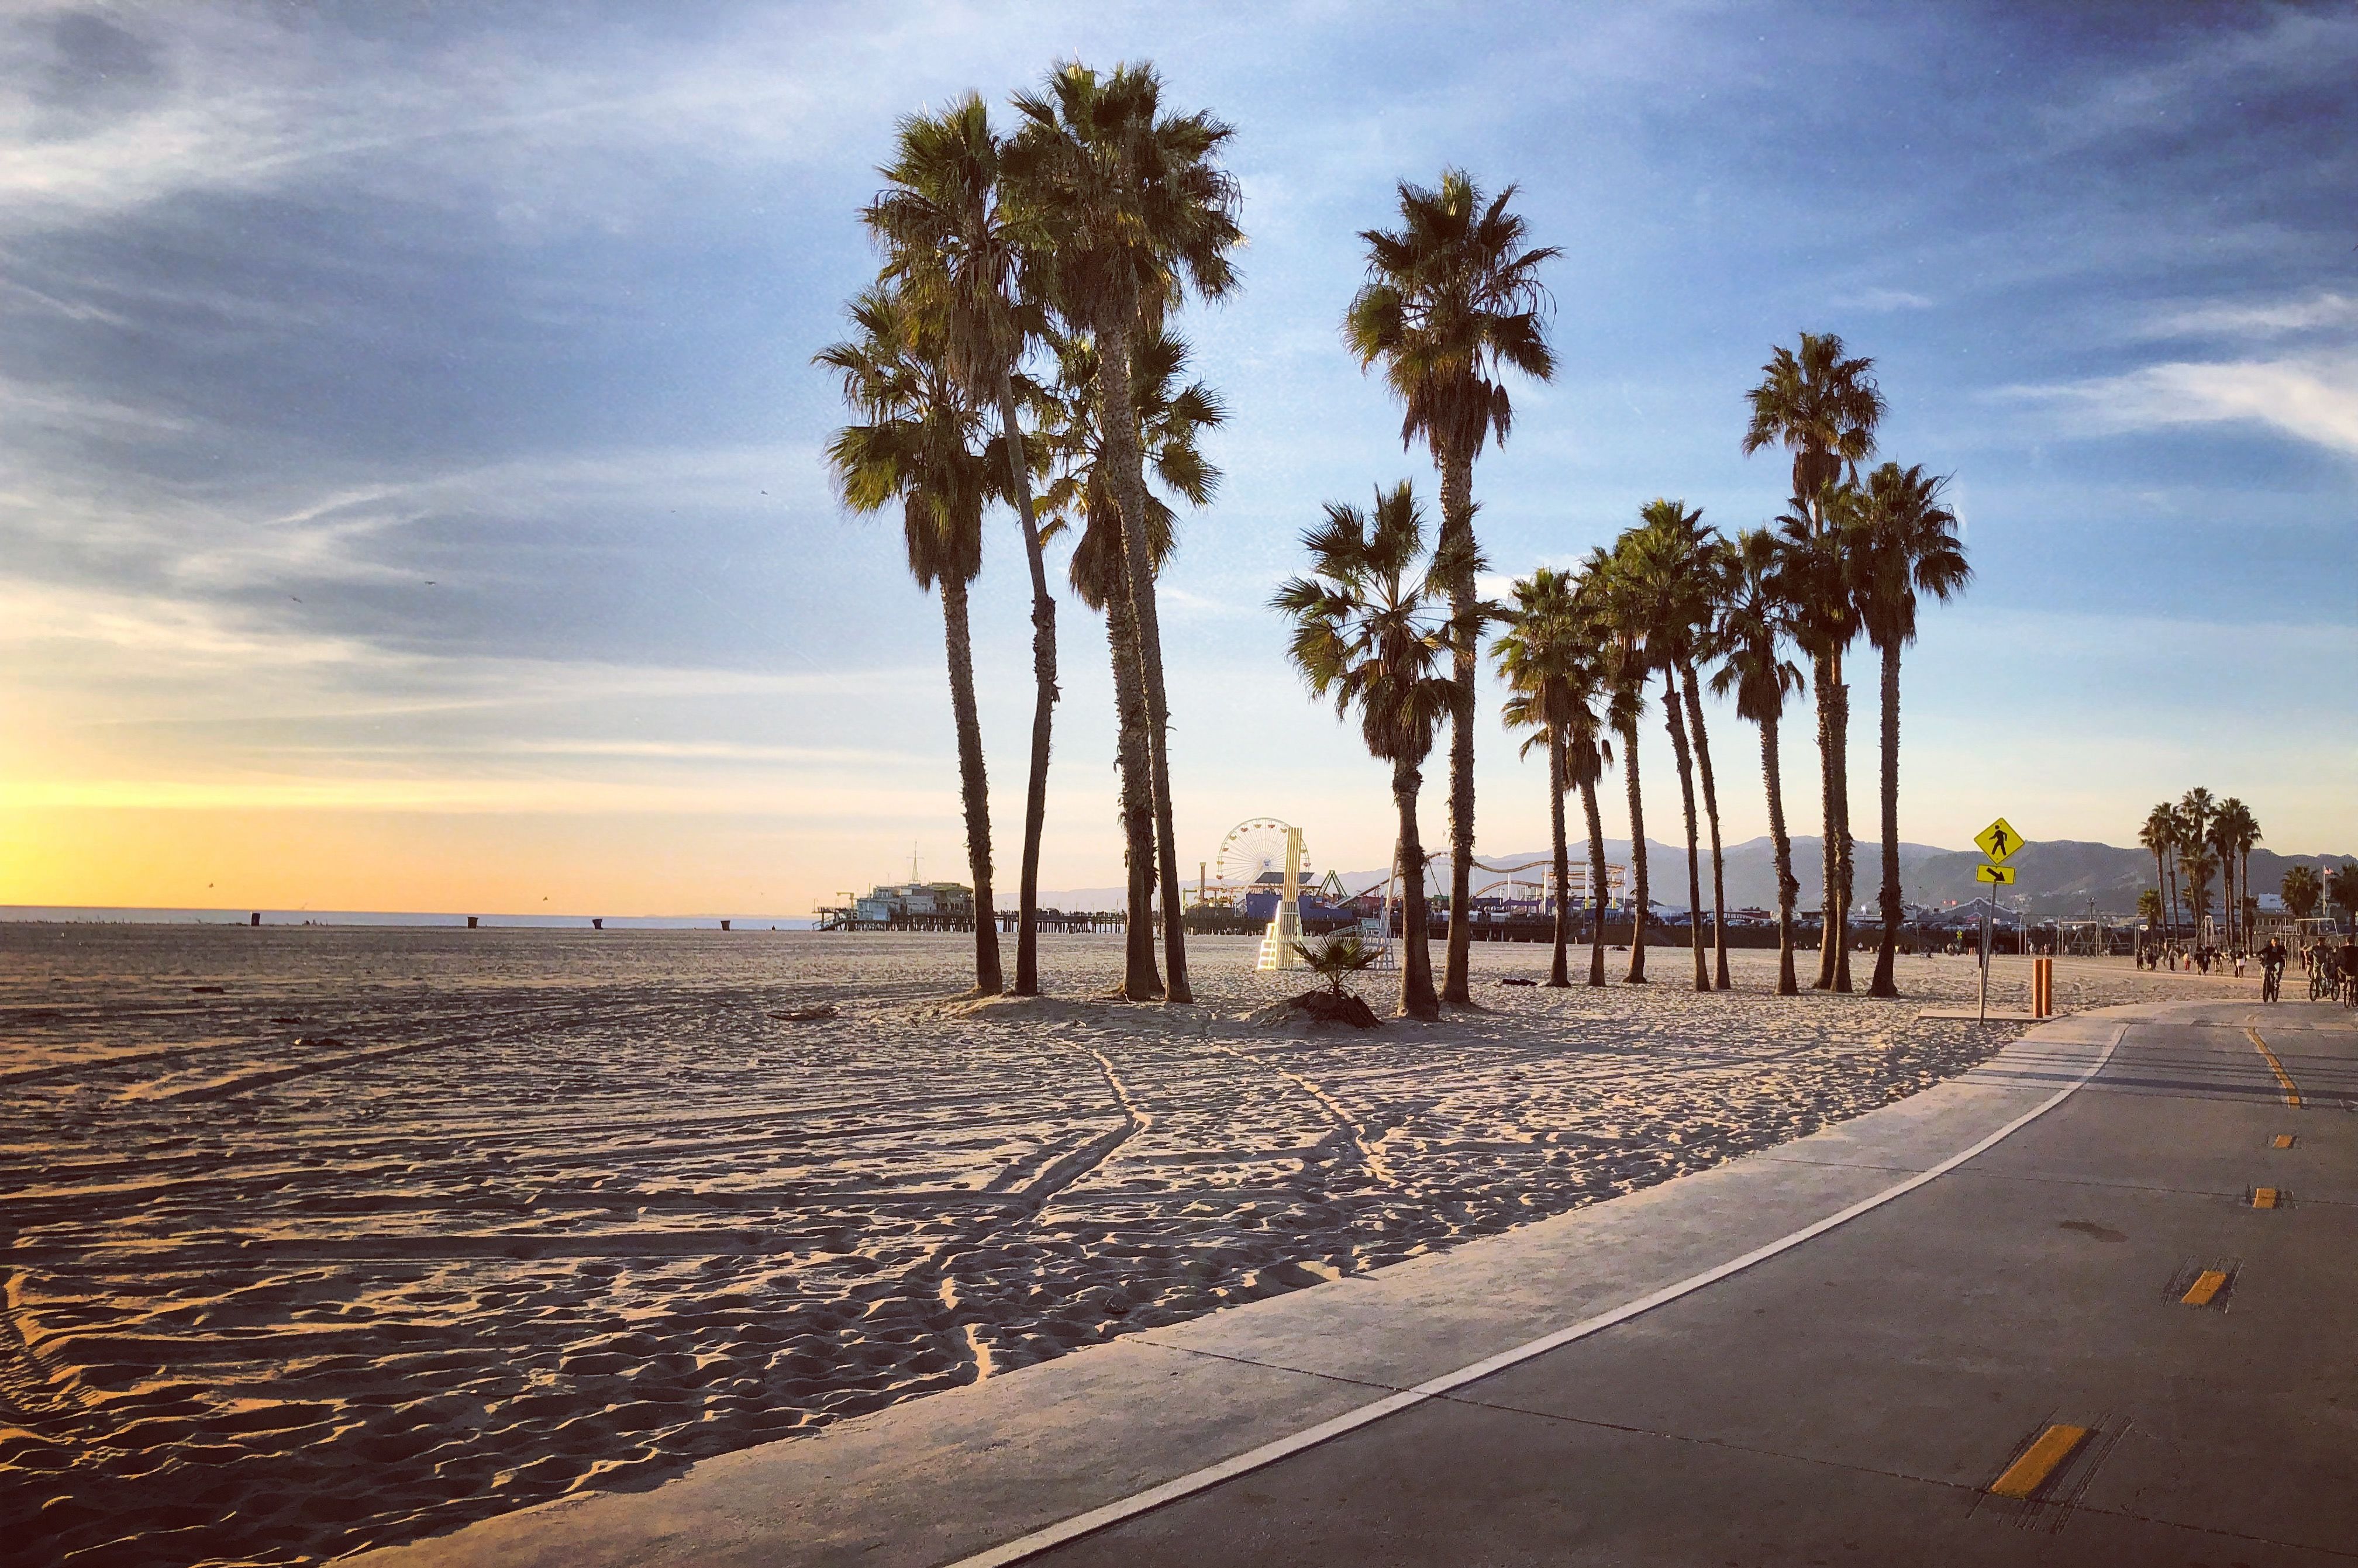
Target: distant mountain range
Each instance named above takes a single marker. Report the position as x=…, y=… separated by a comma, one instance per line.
x=2058, y=877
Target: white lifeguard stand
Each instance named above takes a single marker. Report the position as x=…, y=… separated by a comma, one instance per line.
x=1277, y=943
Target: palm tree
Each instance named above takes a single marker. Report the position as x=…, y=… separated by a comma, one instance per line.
x=1371, y=631
x=1554, y=672
x=2196, y=865
x=1824, y=408
x=1135, y=210
x=2341, y=891
x=1452, y=301
x=2233, y=834
x=1816, y=578
x=2302, y=891
x=1909, y=547
x=1666, y=564
x=921, y=446
x=2195, y=810
x=2159, y=835
x=952, y=244
x=1755, y=623
x=1080, y=499
x=2248, y=839
x=1614, y=613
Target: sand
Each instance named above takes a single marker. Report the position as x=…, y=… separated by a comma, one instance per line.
x=399, y=1228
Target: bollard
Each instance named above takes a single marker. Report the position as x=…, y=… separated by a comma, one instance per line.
x=2042, y=988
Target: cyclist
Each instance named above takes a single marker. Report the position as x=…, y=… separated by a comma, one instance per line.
x=2272, y=967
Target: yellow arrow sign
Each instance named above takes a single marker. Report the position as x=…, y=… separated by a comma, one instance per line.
x=2002, y=875
x=1998, y=841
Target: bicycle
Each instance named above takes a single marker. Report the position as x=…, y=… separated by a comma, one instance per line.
x=2271, y=983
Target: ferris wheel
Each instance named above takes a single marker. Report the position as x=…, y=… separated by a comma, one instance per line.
x=1253, y=850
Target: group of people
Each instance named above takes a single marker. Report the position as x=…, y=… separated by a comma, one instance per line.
x=2332, y=966
x=2333, y=971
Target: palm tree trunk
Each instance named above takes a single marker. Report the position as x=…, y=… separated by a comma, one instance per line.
x=1788, y=886
x=1676, y=722
x=1043, y=675
x=1596, y=883
x=1140, y=979
x=1886, y=955
x=1844, y=846
x=1416, y=997
x=1457, y=531
x=1639, y=889
x=974, y=786
x=1711, y=816
x=2244, y=881
x=1829, y=939
x=1120, y=431
x=1560, y=970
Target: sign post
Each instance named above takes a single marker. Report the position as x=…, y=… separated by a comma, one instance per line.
x=1998, y=841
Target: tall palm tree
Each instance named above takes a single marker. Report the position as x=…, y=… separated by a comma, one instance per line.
x=922, y=444
x=1079, y=499
x=1614, y=615
x=1134, y=211
x=1816, y=573
x=1755, y=623
x=1373, y=629
x=2159, y=835
x=1554, y=674
x=2248, y=839
x=1452, y=302
x=1824, y=407
x=2222, y=845
x=1909, y=547
x=1666, y=563
x=2196, y=865
x=2195, y=809
x=954, y=243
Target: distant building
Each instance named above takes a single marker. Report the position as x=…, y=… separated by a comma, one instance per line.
x=895, y=903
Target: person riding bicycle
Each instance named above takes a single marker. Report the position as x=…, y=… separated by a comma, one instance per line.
x=2272, y=967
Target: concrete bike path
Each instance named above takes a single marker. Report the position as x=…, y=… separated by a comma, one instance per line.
x=1852, y=1393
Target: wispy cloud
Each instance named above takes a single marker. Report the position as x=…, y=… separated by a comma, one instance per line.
x=2314, y=397
x=2309, y=313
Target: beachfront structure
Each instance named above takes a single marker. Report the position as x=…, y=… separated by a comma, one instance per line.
x=903, y=906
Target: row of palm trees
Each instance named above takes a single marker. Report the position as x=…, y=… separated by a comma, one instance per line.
x=2194, y=841
x=1377, y=622
x=1452, y=306
x=1016, y=350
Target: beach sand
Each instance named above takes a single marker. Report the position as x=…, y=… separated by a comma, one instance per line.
x=324, y=1238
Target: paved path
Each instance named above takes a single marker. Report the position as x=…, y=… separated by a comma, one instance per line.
x=1918, y=1335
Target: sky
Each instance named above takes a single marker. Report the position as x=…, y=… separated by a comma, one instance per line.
x=410, y=481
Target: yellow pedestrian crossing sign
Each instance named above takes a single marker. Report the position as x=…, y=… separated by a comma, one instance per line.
x=1998, y=841
x=2001, y=875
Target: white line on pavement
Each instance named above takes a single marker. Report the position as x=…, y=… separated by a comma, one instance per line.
x=1268, y=1453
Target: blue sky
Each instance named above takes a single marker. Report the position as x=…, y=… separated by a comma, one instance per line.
x=412, y=490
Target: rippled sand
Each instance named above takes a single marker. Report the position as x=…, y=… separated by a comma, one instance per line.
x=321, y=1238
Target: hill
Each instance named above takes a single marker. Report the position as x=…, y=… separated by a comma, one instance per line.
x=2058, y=877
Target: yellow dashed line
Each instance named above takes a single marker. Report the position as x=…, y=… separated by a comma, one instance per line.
x=2041, y=1460
x=2284, y=1079
x=2263, y=1197
x=2205, y=1289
